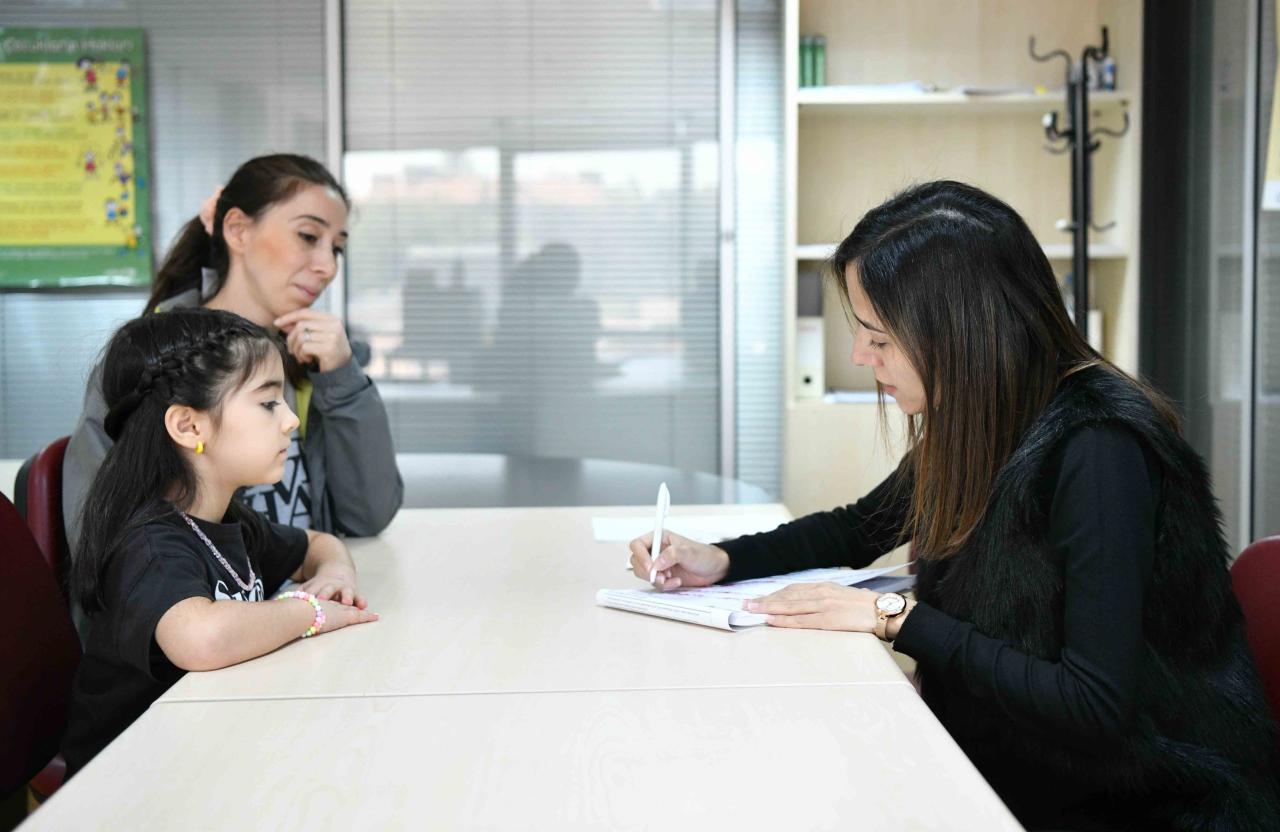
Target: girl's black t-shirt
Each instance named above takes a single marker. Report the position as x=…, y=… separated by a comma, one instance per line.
x=160, y=564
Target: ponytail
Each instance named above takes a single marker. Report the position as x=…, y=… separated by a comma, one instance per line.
x=182, y=267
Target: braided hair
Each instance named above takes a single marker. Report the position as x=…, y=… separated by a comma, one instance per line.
x=193, y=357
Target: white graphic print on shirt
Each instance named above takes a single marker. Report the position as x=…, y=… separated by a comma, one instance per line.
x=221, y=592
x=288, y=501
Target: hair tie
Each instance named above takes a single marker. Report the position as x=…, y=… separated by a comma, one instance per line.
x=113, y=424
x=209, y=209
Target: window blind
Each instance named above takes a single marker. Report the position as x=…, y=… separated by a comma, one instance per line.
x=535, y=254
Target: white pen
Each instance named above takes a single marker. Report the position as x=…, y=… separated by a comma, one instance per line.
x=655, y=549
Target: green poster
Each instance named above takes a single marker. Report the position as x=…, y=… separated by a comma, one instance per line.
x=75, y=201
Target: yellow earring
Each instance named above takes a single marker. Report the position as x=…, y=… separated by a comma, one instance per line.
x=199, y=447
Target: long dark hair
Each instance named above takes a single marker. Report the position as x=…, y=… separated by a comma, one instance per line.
x=193, y=357
x=255, y=186
x=961, y=283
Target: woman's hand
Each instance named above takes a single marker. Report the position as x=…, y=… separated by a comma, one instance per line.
x=337, y=583
x=681, y=562
x=337, y=616
x=824, y=606
x=316, y=336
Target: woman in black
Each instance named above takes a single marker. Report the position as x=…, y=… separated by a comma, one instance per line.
x=1075, y=629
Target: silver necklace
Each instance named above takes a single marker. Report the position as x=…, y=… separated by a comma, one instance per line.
x=253, y=579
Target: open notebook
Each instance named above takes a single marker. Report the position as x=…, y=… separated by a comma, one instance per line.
x=720, y=606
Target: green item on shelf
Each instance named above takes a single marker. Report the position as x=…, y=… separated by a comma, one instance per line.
x=806, y=61
x=819, y=74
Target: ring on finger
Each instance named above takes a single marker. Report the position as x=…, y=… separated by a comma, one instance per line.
x=306, y=335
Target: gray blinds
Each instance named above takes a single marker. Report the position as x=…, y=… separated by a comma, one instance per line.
x=535, y=257
x=228, y=80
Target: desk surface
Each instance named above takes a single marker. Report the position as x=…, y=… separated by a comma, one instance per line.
x=474, y=480
x=503, y=600
x=813, y=757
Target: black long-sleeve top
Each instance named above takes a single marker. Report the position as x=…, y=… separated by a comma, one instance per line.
x=1100, y=492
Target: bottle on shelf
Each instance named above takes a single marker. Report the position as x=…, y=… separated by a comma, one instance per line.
x=819, y=76
x=806, y=61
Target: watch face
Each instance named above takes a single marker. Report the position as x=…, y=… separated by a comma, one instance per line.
x=891, y=603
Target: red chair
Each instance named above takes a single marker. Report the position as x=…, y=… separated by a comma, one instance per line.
x=1255, y=577
x=39, y=651
x=38, y=496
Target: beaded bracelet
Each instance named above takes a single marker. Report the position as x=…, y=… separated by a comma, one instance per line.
x=313, y=601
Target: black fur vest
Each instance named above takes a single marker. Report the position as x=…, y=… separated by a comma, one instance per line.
x=1200, y=751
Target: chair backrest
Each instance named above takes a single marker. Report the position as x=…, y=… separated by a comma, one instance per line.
x=39, y=499
x=39, y=652
x=1255, y=577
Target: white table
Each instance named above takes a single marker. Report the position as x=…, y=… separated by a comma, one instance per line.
x=503, y=600
x=495, y=694
x=811, y=757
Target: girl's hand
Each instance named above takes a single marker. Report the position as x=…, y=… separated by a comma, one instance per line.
x=681, y=562
x=335, y=583
x=337, y=616
x=824, y=606
x=316, y=336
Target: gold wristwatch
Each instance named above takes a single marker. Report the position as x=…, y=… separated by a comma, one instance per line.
x=889, y=605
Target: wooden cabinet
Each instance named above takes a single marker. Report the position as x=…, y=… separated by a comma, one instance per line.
x=853, y=143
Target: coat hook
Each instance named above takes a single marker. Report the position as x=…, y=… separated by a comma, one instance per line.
x=1049, y=56
x=1107, y=131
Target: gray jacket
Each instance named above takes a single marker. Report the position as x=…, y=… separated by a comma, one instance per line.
x=351, y=464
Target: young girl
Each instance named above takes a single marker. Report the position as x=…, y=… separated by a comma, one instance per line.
x=167, y=557
x=1075, y=630
x=265, y=247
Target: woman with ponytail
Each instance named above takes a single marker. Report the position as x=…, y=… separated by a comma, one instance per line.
x=264, y=247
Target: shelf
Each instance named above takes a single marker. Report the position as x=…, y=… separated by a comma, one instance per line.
x=846, y=100
x=846, y=398
x=1054, y=251
x=1097, y=251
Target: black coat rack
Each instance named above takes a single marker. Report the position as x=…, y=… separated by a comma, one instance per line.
x=1077, y=139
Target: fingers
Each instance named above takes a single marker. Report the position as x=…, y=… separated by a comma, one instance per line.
x=290, y=319
x=667, y=554
x=353, y=615
x=798, y=622
x=336, y=591
x=780, y=607
x=305, y=343
x=640, y=561
x=323, y=341
x=338, y=616
x=796, y=599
